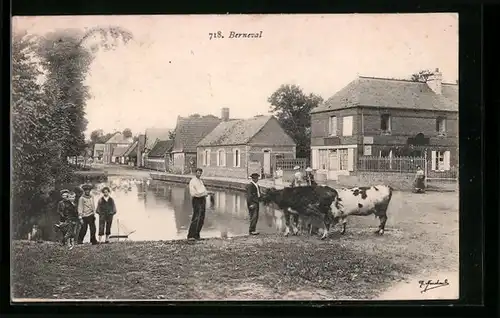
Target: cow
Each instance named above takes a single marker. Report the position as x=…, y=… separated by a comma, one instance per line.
x=362, y=201
x=305, y=201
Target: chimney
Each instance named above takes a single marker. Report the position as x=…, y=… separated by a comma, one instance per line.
x=434, y=81
x=225, y=114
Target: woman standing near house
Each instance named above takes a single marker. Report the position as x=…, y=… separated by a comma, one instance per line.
x=106, y=209
x=419, y=183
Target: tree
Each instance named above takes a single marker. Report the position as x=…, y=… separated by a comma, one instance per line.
x=96, y=135
x=292, y=108
x=195, y=115
x=421, y=76
x=48, y=119
x=127, y=133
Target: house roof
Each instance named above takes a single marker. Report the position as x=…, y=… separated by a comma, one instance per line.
x=161, y=147
x=120, y=150
x=391, y=93
x=118, y=138
x=190, y=131
x=152, y=134
x=235, y=132
x=131, y=151
x=141, y=142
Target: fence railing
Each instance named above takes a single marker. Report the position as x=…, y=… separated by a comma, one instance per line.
x=385, y=164
x=288, y=164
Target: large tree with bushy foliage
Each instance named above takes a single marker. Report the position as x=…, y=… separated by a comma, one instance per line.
x=48, y=116
x=292, y=108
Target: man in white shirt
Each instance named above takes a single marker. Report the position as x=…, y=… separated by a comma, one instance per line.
x=198, y=194
x=253, y=198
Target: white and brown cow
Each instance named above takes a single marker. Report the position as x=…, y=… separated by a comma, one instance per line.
x=362, y=201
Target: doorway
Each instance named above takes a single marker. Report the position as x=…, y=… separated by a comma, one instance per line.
x=267, y=162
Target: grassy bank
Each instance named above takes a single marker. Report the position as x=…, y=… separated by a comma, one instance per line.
x=421, y=239
x=267, y=267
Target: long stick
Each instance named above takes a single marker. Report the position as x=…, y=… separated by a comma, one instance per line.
x=118, y=223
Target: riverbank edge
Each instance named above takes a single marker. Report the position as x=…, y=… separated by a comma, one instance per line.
x=240, y=185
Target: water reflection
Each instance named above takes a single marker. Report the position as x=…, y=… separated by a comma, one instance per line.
x=155, y=210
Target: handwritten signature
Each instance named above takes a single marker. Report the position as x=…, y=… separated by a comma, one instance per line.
x=428, y=285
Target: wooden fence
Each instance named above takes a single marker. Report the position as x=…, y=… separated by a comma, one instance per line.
x=395, y=164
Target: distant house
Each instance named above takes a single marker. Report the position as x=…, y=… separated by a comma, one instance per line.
x=188, y=133
x=380, y=117
x=109, y=147
x=98, y=152
x=130, y=154
x=119, y=154
x=160, y=157
x=233, y=145
x=150, y=137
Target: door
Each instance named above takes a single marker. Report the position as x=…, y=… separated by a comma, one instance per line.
x=333, y=164
x=267, y=162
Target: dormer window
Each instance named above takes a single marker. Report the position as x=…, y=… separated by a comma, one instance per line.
x=385, y=123
x=441, y=126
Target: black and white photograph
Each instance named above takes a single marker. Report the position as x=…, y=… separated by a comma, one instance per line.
x=235, y=157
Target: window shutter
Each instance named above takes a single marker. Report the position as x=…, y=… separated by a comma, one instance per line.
x=447, y=160
x=224, y=159
x=350, y=159
x=209, y=158
x=433, y=160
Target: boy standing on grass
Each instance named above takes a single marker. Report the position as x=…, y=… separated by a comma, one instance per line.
x=86, y=210
x=61, y=211
x=72, y=220
x=106, y=209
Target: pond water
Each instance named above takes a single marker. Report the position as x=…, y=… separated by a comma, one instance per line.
x=156, y=210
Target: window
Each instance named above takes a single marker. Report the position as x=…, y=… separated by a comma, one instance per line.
x=221, y=158
x=237, y=202
x=385, y=123
x=343, y=157
x=441, y=126
x=440, y=160
x=323, y=159
x=367, y=151
x=347, y=126
x=206, y=157
x=236, y=158
x=332, y=126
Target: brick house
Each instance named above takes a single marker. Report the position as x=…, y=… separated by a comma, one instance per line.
x=160, y=158
x=117, y=140
x=230, y=148
x=386, y=118
x=150, y=137
x=188, y=133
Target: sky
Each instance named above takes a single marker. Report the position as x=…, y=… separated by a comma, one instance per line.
x=172, y=68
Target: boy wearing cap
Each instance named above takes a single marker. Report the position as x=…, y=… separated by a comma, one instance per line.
x=106, y=209
x=253, y=198
x=61, y=211
x=72, y=220
x=86, y=210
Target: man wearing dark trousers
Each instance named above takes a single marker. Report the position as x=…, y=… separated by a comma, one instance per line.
x=253, y=197
x=198, y=194
x=86, y=213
